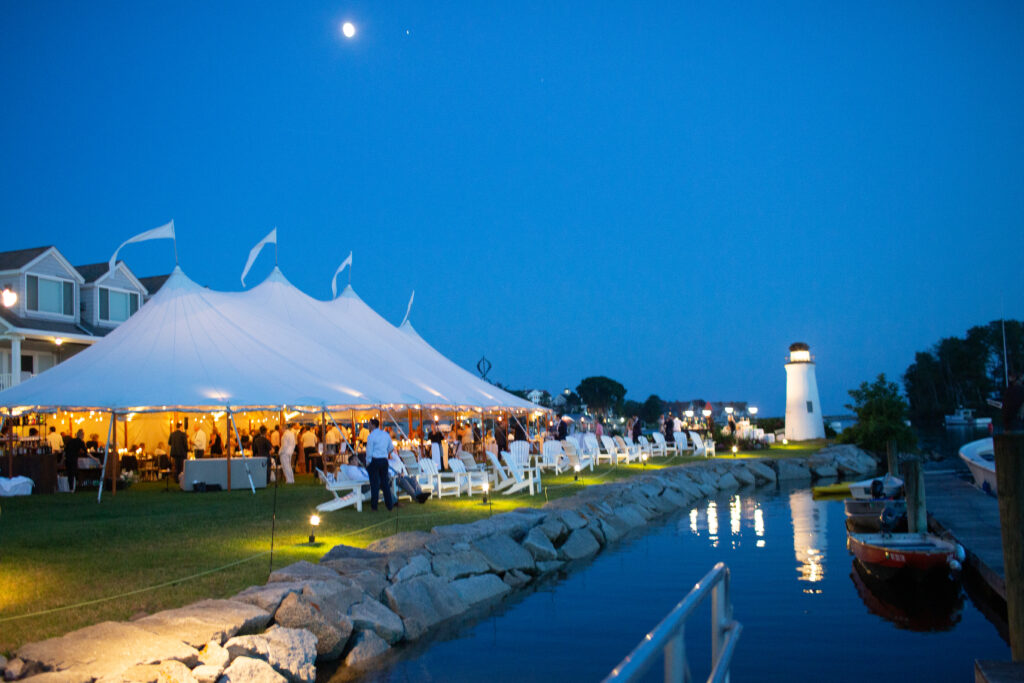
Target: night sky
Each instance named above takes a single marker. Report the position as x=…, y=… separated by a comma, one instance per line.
x=667, y=193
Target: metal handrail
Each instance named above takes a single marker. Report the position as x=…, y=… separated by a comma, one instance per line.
x=667, y=636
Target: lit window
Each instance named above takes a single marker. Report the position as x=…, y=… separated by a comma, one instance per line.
x=46, y=295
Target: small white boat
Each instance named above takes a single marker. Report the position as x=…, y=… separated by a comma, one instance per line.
x=980, y=458
x=861, y=490
x=964, y=417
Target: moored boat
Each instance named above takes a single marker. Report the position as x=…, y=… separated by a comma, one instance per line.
x=865, y=516
x=980, y=459
x=964, y=417
x=863, y=490
x=915, y=554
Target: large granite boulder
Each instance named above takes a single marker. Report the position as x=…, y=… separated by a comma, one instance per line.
x=268, y=597
x=423, y=602
x=417, y=565
x=107, y=649
x=580, y=544
x=538, y=544
x=367, y=646
x=460, y=563
x=249, y=670
x=207, y=620
x=68, y=676
x=479, y=589
x=349, y=552
x=330, y=625
x=402, y=542
x=340, y=594
x=762, y=473
x=792, y=469
x=370, y=615
x=727, y=482
x=743, y=475
x=554, y=529
x=503, y=554
x=291, y=652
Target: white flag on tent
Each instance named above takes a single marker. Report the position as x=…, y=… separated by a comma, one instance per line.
x=165, y=231
x=408, y=309
x=271, y=238
x=334, y=280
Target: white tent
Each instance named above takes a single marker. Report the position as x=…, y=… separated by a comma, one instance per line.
x=191, y=348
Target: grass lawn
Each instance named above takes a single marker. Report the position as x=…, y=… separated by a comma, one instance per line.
x=66, y=549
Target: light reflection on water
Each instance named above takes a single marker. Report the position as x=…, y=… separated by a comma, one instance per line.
x=802, y=609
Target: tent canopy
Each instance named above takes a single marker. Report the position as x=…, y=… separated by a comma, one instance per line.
x=192, y=348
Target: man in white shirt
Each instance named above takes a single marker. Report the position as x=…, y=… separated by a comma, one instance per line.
x=199, y=441
x=378, y=448
x=55, y=441
x=677, y=424
x=333, y=439
x=287, y=450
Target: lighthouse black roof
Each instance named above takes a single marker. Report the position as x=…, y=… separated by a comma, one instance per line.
x=799, y=346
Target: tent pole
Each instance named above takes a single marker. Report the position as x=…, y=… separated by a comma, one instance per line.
x=409, y=433
x=227, y=416
x=116, y=466
x=106, y=454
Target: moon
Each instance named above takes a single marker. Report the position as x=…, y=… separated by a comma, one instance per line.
x=348, y=29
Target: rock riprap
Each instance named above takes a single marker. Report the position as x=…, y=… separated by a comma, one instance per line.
x=356, y=604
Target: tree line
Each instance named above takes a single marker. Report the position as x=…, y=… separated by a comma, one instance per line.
x=963, y=371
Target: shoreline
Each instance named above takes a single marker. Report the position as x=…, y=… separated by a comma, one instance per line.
x=356, y=604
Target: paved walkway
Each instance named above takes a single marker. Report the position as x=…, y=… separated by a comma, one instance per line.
x=972, y=517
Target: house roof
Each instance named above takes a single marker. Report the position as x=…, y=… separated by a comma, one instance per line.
x=94, y=271
x=153, y=282
x=13, y=260
x=33, y=325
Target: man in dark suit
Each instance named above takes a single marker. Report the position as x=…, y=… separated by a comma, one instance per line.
x=178, y=444
x=74, y=448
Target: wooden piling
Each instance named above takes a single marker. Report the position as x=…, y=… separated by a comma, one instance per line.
x=893, y=458
x=913, y=481
x=1009, y=452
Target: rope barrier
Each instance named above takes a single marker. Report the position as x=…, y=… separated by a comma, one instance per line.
x=174, y=582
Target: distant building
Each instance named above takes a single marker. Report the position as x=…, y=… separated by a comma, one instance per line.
x=803, y=407
x=51, y=310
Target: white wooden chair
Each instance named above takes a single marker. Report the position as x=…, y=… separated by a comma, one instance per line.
x=441, y=483
x=613, y=451
x=591, y=447
x=524, y=474
x=575, y=457
x=701, y=447
x=553, y=458
x=682, y=447
x=632, y=451
x=471, y=481
x=501, y=478
x=354, y=495
x=658, y=450
x=645, y=447
x=659, y=440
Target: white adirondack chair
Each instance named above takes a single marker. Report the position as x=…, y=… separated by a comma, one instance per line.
x=613, y=451
x=682, y=447
x=701, y=447
x=632, y=451
x=659, y=439
x=354, y=495
x=441, y=483
x=575, y=457
x=472, y=481
x=525, y=475
x=501, y=478
x=645, y=446
x=592, y=448
x=657, y=449
x=553, y=458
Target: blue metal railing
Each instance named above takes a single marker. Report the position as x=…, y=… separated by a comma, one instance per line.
x=668, y=635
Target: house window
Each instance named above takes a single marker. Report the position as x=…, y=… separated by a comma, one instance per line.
x=46, y=295
x=117, y=306
x=810, y=406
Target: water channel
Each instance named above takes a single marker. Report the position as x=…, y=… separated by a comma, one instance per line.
x=807, y=613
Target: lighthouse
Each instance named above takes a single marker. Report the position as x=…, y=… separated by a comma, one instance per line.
x=803, y=408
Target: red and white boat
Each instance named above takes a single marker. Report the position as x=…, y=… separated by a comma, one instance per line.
x=921, y=555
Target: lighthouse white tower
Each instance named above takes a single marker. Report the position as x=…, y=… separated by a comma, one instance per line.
x=803, y=408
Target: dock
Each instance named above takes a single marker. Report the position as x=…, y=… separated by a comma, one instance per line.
x=971, y=516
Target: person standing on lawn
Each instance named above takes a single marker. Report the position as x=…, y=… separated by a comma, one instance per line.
x=178, y=443
x=287, y=450
x=378, y=448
